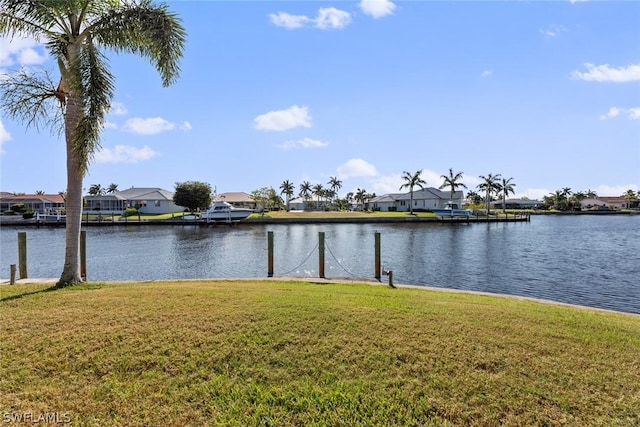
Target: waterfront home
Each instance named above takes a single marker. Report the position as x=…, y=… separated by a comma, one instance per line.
x=423, y=200
x=517, y=204
x=146, y=200
x=37, y=203
x=236, y=199
x=606, y=203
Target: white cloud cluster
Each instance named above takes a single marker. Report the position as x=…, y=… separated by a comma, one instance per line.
x=486, y=73
x=356, y=168
x=124, y=154
x=304, y=143
x=4, y=136
x=152, y=126
x=377, y=8
x=630, y=113
x=607, y=73
x=22, y=51
x=330, y=18
x=282, y=120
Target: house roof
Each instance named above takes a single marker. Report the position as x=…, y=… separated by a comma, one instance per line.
x=145, y=194
x=44, y=198
x=431, y=193
x=234, y=197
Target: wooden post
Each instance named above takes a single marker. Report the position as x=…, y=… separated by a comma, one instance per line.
x=83, y=255
x=391, y=279
x=12, y=274
x=377, y=252
x=321, y=254
x=22, y=254
x=269, y=253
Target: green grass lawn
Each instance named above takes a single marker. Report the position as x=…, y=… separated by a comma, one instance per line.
x=275, y=353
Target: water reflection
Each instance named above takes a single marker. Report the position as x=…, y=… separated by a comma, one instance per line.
x=589, y=260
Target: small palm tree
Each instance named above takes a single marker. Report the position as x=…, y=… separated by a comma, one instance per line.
x=76, y=32
x=318, y=190
x=360, y=196
x=334, y=185
x=305, y=191
x=505, y=187
x=96, y=190
x=629, y=196
x=287, y=189
x=411, y=181
x=452, y=181
x=112, y=188
x=489, y=185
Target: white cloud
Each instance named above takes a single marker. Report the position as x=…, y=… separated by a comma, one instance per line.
x=356, y=168
x=290, y=22
x=281, y=120
x=327, y=19
x=615, y=190
x=634, y=113
x=532, y=193
x=606, y=73
x=20, y=50
x=150, y=126
x=553, y=31
x=304, y=143
x=4, y=136
x=118, y=109
x=377, y=8
x=124, y=154
x=613, y=112
x=185, y=126
x=486, y=73
x=332, y=18
x=630, y=113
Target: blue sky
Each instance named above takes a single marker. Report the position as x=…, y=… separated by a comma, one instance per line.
x=547, y=93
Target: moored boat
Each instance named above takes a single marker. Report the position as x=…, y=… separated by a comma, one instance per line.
x=451, y=210
x=223, y=211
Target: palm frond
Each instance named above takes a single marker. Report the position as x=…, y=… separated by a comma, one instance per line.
x=145, y=29
x=31, y=98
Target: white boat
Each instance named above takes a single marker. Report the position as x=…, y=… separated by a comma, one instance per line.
x=223, y=211
x=451, y=210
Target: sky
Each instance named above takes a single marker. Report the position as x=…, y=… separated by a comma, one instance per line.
x=544, y=92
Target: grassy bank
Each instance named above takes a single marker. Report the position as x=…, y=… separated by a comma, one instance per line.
x=292, y=353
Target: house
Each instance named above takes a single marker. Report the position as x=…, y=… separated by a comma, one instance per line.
x=236, y=199
x=297, y=204
x=146, y=200
x=605, y=203
x=517, y=204
x=423, y=200
x=386, y=202
x=37, y=203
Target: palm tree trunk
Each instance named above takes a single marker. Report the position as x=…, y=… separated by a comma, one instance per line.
x=71, y=270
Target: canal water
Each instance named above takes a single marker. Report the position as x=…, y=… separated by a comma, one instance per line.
x=590, y=260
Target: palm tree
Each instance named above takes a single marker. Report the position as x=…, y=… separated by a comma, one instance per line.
x=287, y=189
x=96, y=190
x=629, y=195
x=452, y=181
x=318, y=190
x=305, y=191
x=412, y=181
x=489, y=184
x=505, y=186
x=360, y=196
x=76, y=32
x=40, y=192
x=112, y=188
x=335, y=184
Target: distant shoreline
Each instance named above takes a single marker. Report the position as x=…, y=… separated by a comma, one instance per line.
x=339, y=218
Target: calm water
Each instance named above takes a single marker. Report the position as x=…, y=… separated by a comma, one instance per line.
x=586, y=260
